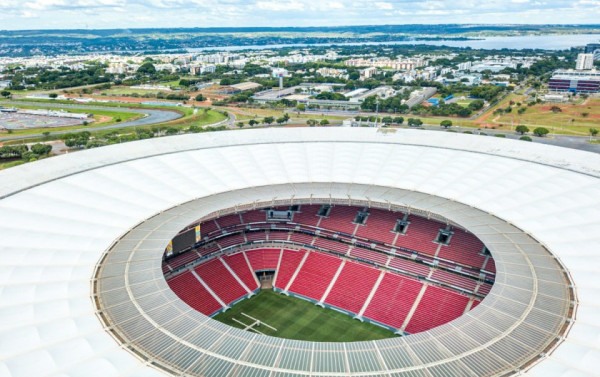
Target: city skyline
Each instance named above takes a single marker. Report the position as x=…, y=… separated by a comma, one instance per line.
x=107, y=14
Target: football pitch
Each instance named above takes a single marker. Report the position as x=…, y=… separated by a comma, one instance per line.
x=298, y=319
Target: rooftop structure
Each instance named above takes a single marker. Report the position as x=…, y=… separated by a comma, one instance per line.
x=84, y=292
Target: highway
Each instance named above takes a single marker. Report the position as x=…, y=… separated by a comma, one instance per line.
x=150, y=116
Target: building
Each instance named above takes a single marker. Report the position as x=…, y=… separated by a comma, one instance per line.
x=584, y=61
x=593, y=48
x=367, y=73
x=585, y=82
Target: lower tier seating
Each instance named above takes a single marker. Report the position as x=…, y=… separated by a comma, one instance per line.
x=238, y=264
x=393, y=300
x=437, y=306
x=190, y=291
x=315, y=275
x=352, y=287
x=220, y=280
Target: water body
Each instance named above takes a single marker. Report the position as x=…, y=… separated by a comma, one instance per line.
x=544, y=42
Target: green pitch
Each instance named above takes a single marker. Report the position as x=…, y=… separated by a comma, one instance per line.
x=299, y=319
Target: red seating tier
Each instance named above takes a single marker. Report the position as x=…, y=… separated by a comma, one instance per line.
x=340, y=219
x=393, y=300
x=229, y=220
x=220, y=280
x=238, y=264
x=437, y=306
x=454, y=279
x=301, y=238
x=369, y=255
x=352, y=287
x=189, y=289
x=420, y=235
x=409, y=266
x=332, y=245
x=263, y=259
x=182, y=259
x=307, y=215
x=289, y=263
x=315, y=275
x=256, y=236
x=254, y=217
x=231, y=240
x=463, y=248
x=278, y=236
x=379, y=226
x=208, y=227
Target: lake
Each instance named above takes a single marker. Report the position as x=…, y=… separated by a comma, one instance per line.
x=544, y=42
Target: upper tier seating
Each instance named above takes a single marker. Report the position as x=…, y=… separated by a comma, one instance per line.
x=463, y=248
x=379, y=226
x=307, y=215
x=229, y=220
x=420, y=235
x=340, y=219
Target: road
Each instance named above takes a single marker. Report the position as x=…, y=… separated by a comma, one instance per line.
x=150, y=116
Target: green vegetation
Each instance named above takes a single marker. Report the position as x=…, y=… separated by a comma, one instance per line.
x=299, y=319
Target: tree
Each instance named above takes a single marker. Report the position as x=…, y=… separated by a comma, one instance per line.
x=46, y=134
x=476, y=105
x=446, y=123
x=240, y=124
x=281, y=121
x=398, y=120
x=286, y=116
x=525, y=138
x=268, y=120
x=522, y=129
x=171, y=131
x=147, y=68
x=555, y=109
x=53, y=95
x=5, y=93
x=541, y=131
x=253, y=122
x=41, y=149
x=387, y=120
x=593, y=132
x=301, y=107
x=414, y=122
x=199, y=98
x=312, y=122
x=324, y=122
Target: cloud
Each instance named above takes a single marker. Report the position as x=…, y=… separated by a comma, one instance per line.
x=35, y=14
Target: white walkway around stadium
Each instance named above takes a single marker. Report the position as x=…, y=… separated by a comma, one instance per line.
x=59, y=217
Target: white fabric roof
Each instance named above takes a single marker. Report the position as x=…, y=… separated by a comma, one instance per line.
x=58, y=216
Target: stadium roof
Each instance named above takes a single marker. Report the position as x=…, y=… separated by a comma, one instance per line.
x=60, y=217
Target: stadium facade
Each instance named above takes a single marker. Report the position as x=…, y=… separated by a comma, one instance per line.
x=82, y=238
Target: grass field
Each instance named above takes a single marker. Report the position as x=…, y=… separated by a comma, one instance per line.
x=573, y=119
x=301, y=320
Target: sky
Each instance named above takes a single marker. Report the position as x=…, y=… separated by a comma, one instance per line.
x=106, y=14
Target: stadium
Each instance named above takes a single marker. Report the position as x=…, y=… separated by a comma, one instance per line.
x=441, y=255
